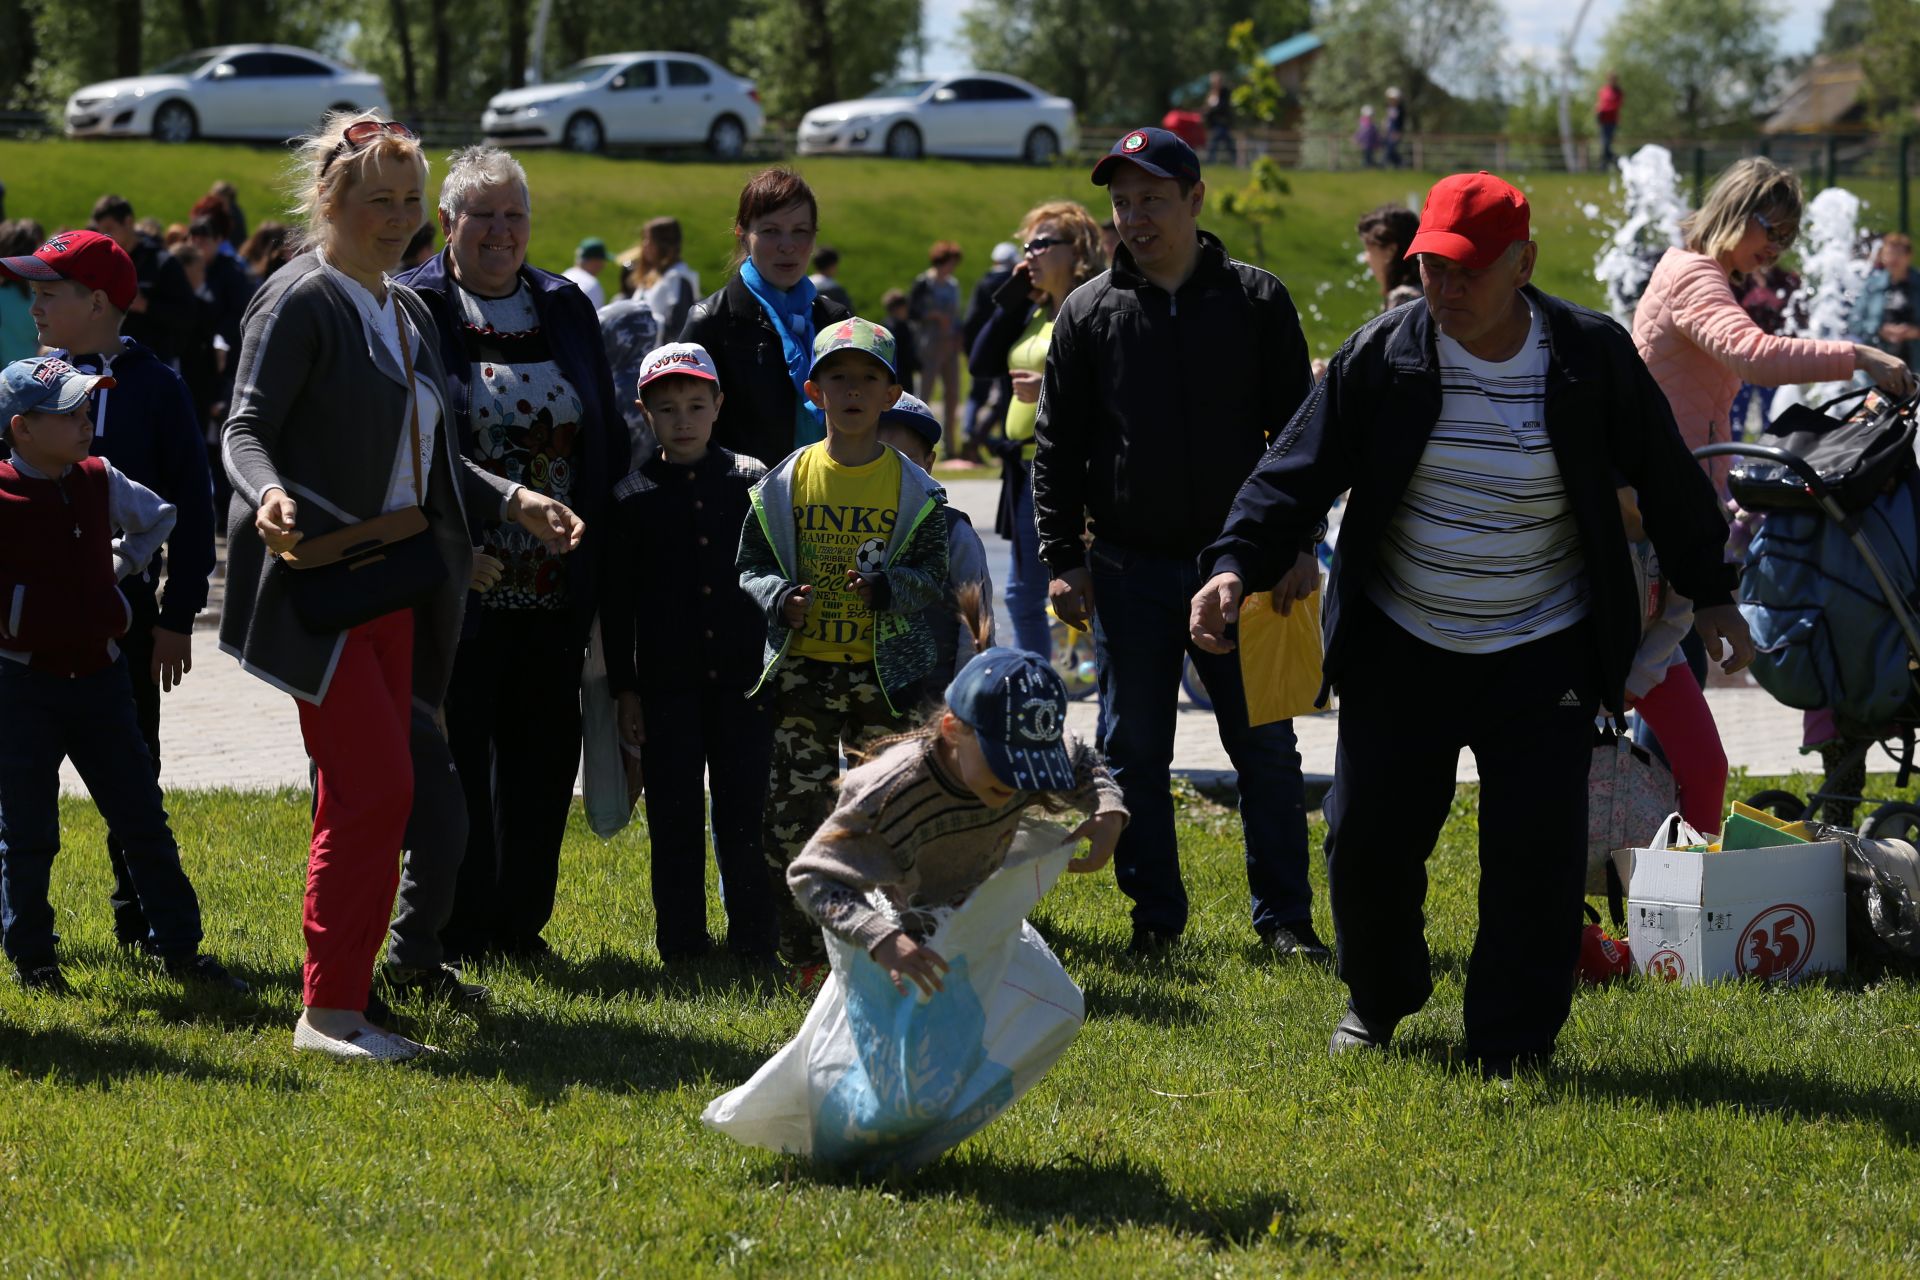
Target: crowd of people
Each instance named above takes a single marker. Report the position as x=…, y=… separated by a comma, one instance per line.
x=453, y=473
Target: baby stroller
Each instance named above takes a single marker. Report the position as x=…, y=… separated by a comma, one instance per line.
x=1831, y=590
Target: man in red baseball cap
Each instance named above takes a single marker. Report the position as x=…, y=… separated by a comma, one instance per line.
x=1481, y=561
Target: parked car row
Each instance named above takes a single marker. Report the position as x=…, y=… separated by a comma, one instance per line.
x=266, y=91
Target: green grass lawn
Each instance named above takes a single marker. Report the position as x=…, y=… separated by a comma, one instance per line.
x=881, y=215
x=1195, y=1128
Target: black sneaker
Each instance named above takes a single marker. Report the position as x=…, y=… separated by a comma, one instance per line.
x=1297, y=941
x=440, y=983
x=1355, y=1033
x=204, y=970
x=1151, y=942
x=380, y=1013
x=44, y=977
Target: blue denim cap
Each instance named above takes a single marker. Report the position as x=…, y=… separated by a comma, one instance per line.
x=44, y=384
x=1017, y=704
x=913, y=413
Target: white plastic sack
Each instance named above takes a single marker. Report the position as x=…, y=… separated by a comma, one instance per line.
x=603, y=776
x=878, y=1081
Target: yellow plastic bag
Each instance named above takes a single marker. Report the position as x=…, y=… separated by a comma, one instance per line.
x=1280, y=657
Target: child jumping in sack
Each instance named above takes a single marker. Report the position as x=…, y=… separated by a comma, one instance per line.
x=944, y=1005
x=931, y=816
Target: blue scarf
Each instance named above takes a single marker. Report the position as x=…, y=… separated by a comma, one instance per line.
x=792, y=314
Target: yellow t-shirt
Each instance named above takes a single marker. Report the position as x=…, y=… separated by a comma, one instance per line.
x=1029, y=353
x=842, y=515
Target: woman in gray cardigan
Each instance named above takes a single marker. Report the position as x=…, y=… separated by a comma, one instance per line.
x=333, y=380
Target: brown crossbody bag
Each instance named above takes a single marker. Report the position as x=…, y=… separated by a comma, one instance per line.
x=364, y=571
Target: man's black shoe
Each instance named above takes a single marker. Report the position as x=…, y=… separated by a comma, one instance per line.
x=44, y=977
x=1297, y=941
x=1355, y=1032
x=380, y=1013
x=441, y=983
x=1152, y=942
x=204, y=970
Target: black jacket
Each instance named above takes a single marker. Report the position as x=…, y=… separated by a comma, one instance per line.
x=675, y=614
x=1155, y=407
x=169, y=313
x=757, y=416
x=1366, y=427
x=600, y=458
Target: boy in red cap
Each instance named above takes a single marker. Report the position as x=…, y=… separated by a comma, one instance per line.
x=63, y=685
x=1482, y=553
x=83, y=282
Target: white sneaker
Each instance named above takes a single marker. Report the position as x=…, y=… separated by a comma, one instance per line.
x=362, y=1043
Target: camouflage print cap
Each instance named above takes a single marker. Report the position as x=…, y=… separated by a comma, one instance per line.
x=854, y=335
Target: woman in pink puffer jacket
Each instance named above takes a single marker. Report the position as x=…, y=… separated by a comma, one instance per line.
x=1698, y=342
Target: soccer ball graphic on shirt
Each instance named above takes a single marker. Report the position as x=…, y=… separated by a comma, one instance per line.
x=871, y=557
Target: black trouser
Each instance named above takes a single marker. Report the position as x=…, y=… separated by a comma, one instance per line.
x=696, y=729
x=513, y=721
x=436, y=846
x=129, y=922
x=1406, y=710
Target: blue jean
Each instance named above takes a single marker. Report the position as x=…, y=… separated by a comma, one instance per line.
x=91, y=721
x=1027, y=577
x=1140, y=638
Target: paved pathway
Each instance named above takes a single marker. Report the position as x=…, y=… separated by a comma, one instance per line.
x=223, y=728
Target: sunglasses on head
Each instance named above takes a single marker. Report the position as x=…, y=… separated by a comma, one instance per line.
x=1778, y=237
x=361, y=132
x=1043, y=244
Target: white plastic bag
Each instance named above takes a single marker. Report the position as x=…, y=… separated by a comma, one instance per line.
x=880, y=1082
x=603, y=777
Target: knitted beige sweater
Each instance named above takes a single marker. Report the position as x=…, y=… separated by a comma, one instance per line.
x=906, y=828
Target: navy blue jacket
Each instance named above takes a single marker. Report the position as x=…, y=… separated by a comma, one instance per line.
x=674, y=614
x=573, y=331
x=152, y=434
x=1366, y=425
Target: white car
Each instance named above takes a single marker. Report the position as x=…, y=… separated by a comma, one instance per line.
x=974, y=114
x=631, y=98
x=270, y=91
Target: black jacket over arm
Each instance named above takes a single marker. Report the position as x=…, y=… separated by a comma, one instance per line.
x=756, y=419
x=1156, y=406
x=1366, y=426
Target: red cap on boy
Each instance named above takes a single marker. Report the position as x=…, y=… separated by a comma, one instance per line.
x=1471, y=218
x=87, y=258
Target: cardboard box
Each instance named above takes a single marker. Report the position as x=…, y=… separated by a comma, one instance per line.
x=1775, y=914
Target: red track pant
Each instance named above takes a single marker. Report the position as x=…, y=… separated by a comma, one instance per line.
x=1678, y=712
x=358, y=738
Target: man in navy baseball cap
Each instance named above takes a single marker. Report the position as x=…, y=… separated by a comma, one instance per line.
x=1156, y=151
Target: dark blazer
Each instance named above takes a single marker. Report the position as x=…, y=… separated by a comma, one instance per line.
x=757, y=417
x=1366, y=425
x=573, y=330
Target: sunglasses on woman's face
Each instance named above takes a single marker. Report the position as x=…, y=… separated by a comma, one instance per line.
x=1779, y=237
x=361, y=132
x=1036, y=247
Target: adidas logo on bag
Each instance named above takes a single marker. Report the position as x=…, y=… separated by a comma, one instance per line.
x=1569, y=699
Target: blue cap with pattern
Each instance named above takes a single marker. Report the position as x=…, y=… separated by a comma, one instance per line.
x=1017, y=704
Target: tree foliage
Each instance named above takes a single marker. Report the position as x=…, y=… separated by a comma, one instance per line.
x=806, y=52
x=1443, y=56
x=1846, y=27
x=1892, y=59
x=1121, y=61
x=1689, y=67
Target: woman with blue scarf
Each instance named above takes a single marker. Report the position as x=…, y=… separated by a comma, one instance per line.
x=760, y=327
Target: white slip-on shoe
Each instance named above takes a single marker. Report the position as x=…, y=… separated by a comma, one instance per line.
x=360, y=1044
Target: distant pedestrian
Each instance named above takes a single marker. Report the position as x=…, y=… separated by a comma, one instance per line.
x=934, y=305
x=1606, y=113
x=1219, y=119
x=163, y=308
x=826, y=269
x=1366, y=136
x=670, y=286
x=589, y=260
x=1395, y=129
x=1385, y=233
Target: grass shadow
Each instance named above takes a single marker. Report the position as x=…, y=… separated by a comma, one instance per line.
x=75, y=1059
x=1110, y=1193
x=1153, y=1005
x=1776, y=1090
x=1179, y=960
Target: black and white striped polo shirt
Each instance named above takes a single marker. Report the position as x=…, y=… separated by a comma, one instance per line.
x=1483, y=554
